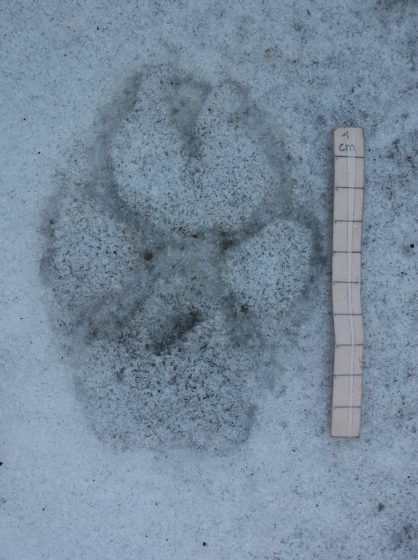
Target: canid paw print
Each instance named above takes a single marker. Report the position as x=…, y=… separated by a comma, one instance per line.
x=172, y=254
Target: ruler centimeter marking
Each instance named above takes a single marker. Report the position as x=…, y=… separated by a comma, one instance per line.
x=346, y=281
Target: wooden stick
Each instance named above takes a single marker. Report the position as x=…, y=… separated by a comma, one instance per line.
x=346, y=278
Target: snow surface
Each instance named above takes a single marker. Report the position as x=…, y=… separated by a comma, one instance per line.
x=167, y=341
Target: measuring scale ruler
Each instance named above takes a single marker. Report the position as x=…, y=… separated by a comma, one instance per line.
x=346, y=281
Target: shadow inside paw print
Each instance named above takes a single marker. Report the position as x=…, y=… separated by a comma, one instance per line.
x=174, y=255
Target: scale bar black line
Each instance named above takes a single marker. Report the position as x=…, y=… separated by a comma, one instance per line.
x=349, y=157
x=354, y=188
x=348, y=314
x=345, y=345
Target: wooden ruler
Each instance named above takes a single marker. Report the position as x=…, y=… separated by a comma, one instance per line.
x=346, y=278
